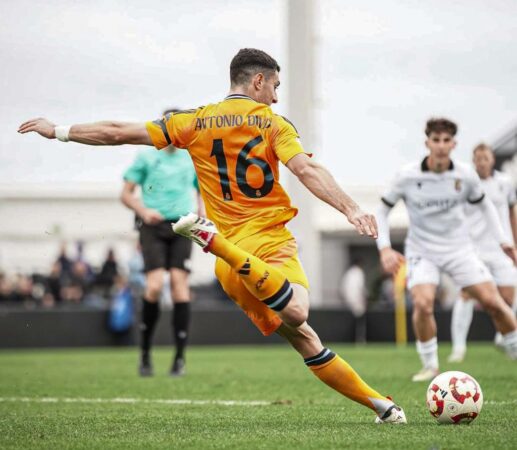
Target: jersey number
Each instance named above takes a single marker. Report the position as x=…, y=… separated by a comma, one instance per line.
x=243, y=163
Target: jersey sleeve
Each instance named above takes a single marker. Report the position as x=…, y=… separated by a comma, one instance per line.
x=286, y=141
x=395, y=191
x=173, y=128
x=137, y=172
x=475, y=193
x=512, y=195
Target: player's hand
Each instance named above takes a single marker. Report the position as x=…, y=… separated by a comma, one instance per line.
x=364, y=223
x=511, y=252
x=391, y=260
x=41, y=126
x=151, y=217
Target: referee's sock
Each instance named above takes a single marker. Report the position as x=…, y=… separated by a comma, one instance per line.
x=264, y=281
x=150, y=314
x=180, y=325
x=339, y=375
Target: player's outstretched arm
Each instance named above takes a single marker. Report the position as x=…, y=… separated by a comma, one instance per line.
x=322, y=184
x=98, y=133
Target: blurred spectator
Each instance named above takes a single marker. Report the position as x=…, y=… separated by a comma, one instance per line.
x=65, y=263
x=75, y=287
x=136, y=272
x=109, y=272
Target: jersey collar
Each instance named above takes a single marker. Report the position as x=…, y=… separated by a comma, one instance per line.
x=425, y=167
x=238, y=96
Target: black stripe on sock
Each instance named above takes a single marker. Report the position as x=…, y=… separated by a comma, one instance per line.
x=285, y=291
x=319, y=359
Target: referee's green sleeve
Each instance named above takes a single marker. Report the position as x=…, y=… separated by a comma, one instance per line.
x=196, y=183
x=137, y=172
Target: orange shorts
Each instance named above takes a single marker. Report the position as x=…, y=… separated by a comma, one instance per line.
x=277, y=247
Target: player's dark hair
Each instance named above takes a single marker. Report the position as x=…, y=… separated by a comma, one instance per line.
x=248, y=62
x=440, y=125
x=482, y=146
x=170, y=110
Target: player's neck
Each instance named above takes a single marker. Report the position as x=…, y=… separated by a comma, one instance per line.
x=240, y=90
x=438, y=166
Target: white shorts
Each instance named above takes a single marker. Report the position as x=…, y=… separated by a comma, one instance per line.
x=465, y=269
x=501, y=267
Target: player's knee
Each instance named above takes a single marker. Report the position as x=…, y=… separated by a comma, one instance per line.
x=153, y=290
x=423, y=305
x=295, y=314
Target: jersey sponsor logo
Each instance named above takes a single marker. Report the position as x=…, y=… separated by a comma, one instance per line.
x=443, y=204
x=457, y=184
x=261, y=282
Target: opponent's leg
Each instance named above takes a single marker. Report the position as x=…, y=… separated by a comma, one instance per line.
x=508, y=295
x=337, y=373
x=180, y=318
x=502, y=315
x=264, y=281
x=424, y=325
x=150, y=314
x=462, y=313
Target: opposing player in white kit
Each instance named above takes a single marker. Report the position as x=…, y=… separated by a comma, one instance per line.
x=500, y=189
x=435, y=192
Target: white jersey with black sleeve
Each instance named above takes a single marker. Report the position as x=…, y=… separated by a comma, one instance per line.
x=500, y=189
x=436, y=205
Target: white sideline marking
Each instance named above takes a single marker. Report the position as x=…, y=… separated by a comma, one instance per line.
x=500, y=403
x=134, y=401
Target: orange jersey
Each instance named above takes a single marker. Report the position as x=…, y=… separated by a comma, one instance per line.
x=235, y=145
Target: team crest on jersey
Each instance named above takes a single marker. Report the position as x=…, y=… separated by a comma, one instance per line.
x=457, y=184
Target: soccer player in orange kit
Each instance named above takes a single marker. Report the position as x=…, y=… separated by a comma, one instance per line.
x=236, y=146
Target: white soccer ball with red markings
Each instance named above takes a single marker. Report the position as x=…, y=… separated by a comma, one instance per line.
x=454, y=397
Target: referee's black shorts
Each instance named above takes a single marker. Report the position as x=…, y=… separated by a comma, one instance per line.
x=162, y=248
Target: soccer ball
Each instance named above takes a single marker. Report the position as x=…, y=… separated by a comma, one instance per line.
x=454, y=397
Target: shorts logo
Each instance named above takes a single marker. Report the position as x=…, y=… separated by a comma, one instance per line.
x=261, y=282
x=457, y=185
x=245, y=269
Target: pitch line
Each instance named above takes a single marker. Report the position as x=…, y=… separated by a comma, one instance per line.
x=159, y=401
x=124, y=400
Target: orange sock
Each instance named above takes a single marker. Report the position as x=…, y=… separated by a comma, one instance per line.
x=339, y=375
x=264, y=281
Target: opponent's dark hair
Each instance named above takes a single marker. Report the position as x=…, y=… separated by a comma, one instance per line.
x=248, y=62
x=440, y=125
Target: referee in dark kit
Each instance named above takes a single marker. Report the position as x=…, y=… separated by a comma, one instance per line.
x=168, y=186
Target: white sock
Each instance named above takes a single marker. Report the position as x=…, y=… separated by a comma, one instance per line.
x=498, y=339
x=428, y=352
x=510, y=344
x=462, y=313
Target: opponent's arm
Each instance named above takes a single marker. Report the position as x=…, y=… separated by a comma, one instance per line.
x=129, y=199
x=98, y=133
x=490, y=212
x=320, y=182
x=513, y=222
x=391, y=260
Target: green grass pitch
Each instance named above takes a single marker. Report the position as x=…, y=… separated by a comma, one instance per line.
x=300, y=412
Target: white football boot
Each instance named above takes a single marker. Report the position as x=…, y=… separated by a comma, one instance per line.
x=197, y=229
x=425, y=375
x=457, y=356
x=395, y=415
